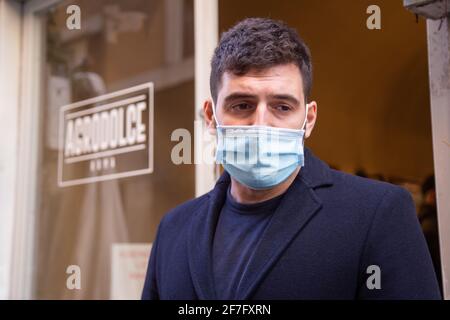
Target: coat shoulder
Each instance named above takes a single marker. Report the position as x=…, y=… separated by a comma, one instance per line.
x=181, y=214
x=365, y=189
x=362, y=198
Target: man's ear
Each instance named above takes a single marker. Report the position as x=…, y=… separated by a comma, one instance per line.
x=311, y=118
x=209, y=116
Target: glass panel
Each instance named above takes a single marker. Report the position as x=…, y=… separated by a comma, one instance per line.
x=120, y=44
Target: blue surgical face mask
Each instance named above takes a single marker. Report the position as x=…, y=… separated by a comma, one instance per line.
x=260, y=157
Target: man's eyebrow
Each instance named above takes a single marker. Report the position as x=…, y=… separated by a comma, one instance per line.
x=285, y=97
x=239, y=95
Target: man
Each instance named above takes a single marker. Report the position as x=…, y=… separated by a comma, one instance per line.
x=279, y=223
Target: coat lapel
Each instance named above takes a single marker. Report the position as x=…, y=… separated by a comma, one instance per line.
x=200, y=242
x=297, y=207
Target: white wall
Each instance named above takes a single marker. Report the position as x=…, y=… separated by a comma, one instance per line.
x=439, y=69
x=10, y=37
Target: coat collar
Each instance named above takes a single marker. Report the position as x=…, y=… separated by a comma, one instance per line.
x=298, y=206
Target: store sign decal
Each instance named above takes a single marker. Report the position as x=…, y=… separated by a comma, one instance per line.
x=106, y=137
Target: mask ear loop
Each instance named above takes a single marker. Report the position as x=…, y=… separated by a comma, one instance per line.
x=304, y=124
x=306, y=117
x=214, y=114
x=216, y=166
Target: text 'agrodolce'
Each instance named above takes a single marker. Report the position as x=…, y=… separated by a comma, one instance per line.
x=114, y=128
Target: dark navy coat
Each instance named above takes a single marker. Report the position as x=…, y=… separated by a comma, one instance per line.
x=328, y=229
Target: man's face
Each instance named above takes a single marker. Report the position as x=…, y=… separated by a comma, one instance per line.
x=270, y=97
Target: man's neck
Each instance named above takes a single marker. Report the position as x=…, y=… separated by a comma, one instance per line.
x=245, y=195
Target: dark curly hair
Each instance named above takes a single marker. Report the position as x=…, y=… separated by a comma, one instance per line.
x=259, y=43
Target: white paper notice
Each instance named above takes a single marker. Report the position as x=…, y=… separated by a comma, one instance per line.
x=128, y=268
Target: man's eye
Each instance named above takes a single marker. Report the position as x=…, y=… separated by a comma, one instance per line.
x=241, y=107
x=282, y=108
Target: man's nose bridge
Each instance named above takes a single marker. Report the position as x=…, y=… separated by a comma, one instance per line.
x=261, y=114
